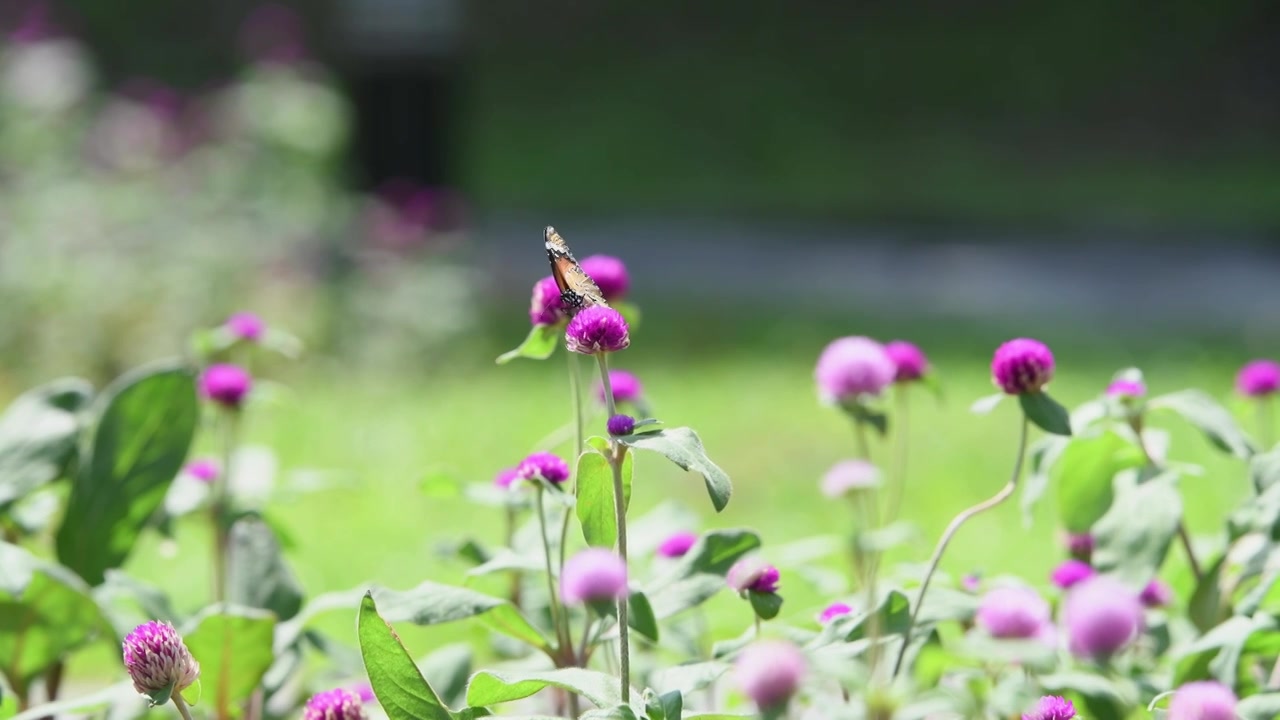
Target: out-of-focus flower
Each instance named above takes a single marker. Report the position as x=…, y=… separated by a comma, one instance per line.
x=364, y=691
x=544, y=465
x=769, y=672
x=848, y=476
x=610, y=275
x=597, y=329
x=1013, y=612
x=1203, y=700
x=850, y=367
x=1102, y=616
x=506, y=477
x=833, y=611
x=909, y=360
x=1070, y=572
x=593, y=575
x=752, y=573
x=273, y=33
x=971, y=582
x=203, y=469
x=335, y=704
x=1052, y=707
x=1258, y=378
x=1080, y=545
x=1156, y=594
x=546, y=307
x=619, y=425
x=626, y=387
x=1021, y=366
x=226, y=384
x=1126, y=389
x=246, y=326
x=156, y=658
x=677, y=544
x=47, y=75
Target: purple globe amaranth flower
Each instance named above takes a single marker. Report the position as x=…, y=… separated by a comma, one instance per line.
x=1013, y=612
x=203, y=469
x=621, y=425
x=1156, y=594
x=677, y=544
x=364, y=691
x=246, y=326
x=848, y=476
x=625, y=386
x=753, y=574
x=833, y=611
x=769, y=672
x=335, y=704
x=909, y=360
x=1126, y=389
x=850, y=367
x=597, y=329
x=1022, y=366
x=1102, y=616
x=971, y=582
x=546, y=307
x=1203, y=700
x=610, y=275
x=156, y=659
x=1080, y=545
x=505, y=478
x=1052, y=707
x=1258, y=378
x=1071, y=572
x=226, y=384
x=593, y=575
x=544, y=465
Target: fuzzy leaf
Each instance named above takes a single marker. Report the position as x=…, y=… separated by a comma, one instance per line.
x=683, y=447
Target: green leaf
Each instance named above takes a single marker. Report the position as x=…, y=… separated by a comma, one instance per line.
x=618, y=712
x=489, y=687
x=257, y=574
x=1041, y=458
x=1084, y=476
x=862, y=413
x=688, y=678
x=432, y=604
x=683, y=447
x=1046, y=413
x=765, y=605
x=402, y=691
x=1264, y=469
x=120, y=695
x=1259, y=707
x=595, y=507
x=447, y=670
x=1209, y=417
x=604, y=447
x=640, y=615
x=1205, y=609
x=234, y=648
x=668, y=706
x=985, y=405
x=890, y=617
x=38, y=435
x=700, y=573
x=1217, y=653
x=538, y=345
x=139, y=445
x=46, y=613
x=151, y=602
x=1134, y=536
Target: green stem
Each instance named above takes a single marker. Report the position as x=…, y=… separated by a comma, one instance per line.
x=1184, y=537
x=220, y=508
x=620, y=512
x=181, y=705
x=580, y=431
x=557, y=616
x=1005, y=493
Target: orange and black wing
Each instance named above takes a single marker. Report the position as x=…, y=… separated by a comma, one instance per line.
x=577, y=289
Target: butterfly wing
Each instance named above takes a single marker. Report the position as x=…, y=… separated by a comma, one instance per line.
x=577, y=289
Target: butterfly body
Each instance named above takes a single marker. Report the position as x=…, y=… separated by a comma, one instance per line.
x=577, y=289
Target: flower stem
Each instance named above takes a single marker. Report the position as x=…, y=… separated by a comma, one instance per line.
x=1005, y=493
x=620, y=512
x=181, y=704
x=557, y=615
x=579, y=432
x=220, y=508
x=1183, y=535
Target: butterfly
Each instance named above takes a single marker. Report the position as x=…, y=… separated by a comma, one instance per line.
x=577, y=289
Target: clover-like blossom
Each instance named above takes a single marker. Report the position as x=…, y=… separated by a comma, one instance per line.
x=203, y=469
x=157, y=659
x=597, y=329
x=1070, y=572
x=1126, y=389
x=1052, y=707
x=1156, y=594
x=546, y=306
x=1258, y=378
x=246, y=326
x=833, y=611
x=1021, y=366
x=1203, y=700
x=850, y=476
x=610, y=275
x=226, y=384
x=619, y=425
x=1102, y=616
x=753, y=574
x=1013, y=612
x=626, y=387
x=851, y=367
x=544, y=465
x=1080, y=545
x=335, y=704
x=909, y=360
x=769, y=672
x=677, y=544
x=593, y=575
x=506, y=477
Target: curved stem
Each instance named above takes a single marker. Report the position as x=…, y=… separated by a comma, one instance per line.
x=557, y=616
x=620, y=512
x=181, y=705
x=1005, y=493
x=1183, y=535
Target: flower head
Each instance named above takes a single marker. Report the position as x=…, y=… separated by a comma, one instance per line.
x=597, y=329
x=1080, y=545
x=909, y=360
x=1022, y=366
x=225, y=384
x=505, y=478
x=769, y=672
x=246, y=326
x=833, y=611
x=1052, y=707
x=156, y=659
x=610, y=275
x=621, y=425
x=1156, y=594
x=625, y=386
x=364, y=691
x=546, y=307
x=853, y=366
x=751, y=573
x=335, y=704
x=677, y=544
x=1102, y=616
x=593, y=575
x=1126, y=389
x=1258, y=378
x=1070, y=572
x=1204, y=700
x=544, y=465
x=203, y=469
x=850, y=476
x=971, y=582
x=1013, y=612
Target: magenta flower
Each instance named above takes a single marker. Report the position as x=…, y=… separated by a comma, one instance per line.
x=1203, y=700
x=1080, y=545
x=1070, y=572
x=1022, y=366
x=626, y=387
x=597, y=329
x=909, y=360
x=753, y=574
x=1013, y=612
x=677, y=544
x=971, y=582
x=544, y=465
x=1126, y=389
x=1052, y=707
x=769, y=672
x=610, y=275
x=505, y=478
x=833, y=611
x=335, y=704
x=621, y=425
x=156, y=659
x=1258, y=378
x=593, y=575
x=850, y=367
x=850, y=476
x=203, y=469
x=226, y=384
x=364, y=691
x=546, y=307
x=246, y=326
x=1156, y=594
x=1102, y=616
